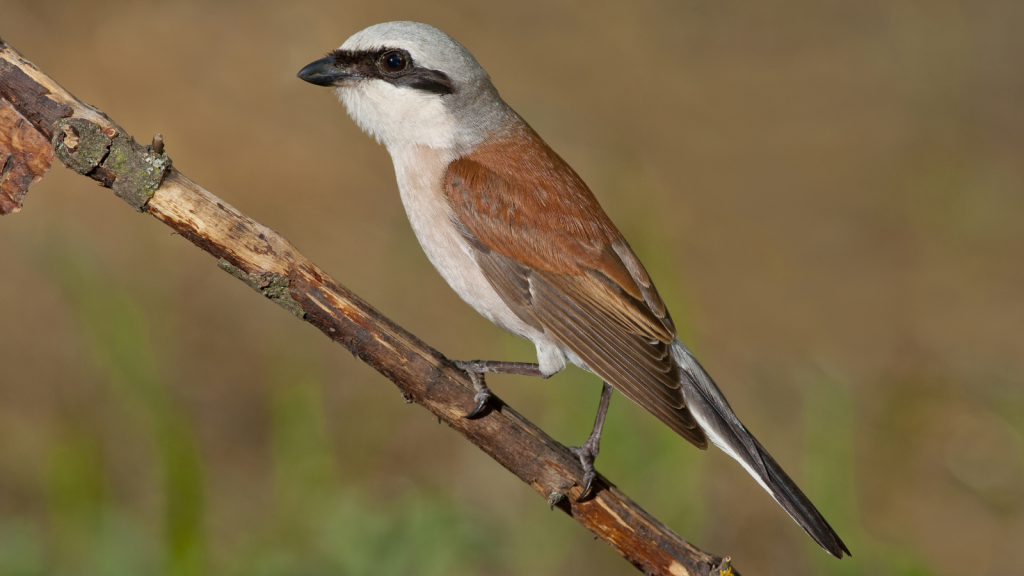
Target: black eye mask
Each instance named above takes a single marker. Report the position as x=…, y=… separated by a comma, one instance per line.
x=394, y=66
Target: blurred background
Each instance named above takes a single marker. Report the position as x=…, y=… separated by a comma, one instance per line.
x=830, y=196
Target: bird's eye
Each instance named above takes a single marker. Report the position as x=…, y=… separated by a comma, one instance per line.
x=394, y=61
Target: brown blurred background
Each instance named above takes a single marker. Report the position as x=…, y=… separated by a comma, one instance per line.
x=830, y=196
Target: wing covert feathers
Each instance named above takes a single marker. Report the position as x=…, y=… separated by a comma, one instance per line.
x=548, y=249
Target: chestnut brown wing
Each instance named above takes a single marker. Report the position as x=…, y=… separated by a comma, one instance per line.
x=558, y=262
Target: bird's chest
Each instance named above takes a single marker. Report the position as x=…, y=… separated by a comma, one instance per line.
x=420, y=175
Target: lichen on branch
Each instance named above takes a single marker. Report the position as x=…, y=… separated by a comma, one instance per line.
x=273, y=286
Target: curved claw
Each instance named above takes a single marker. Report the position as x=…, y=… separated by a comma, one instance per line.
x=588, y=490
x=481, y=405
x=483, y=393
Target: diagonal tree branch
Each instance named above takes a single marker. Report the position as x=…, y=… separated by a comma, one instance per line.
x=90, y=143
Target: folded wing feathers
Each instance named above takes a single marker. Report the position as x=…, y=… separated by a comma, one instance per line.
x=636, y=362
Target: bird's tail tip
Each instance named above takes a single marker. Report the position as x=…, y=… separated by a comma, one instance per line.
x=724, y=429
x=799, y=507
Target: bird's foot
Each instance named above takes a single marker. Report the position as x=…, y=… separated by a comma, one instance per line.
x=587, y=453
x=475, y=369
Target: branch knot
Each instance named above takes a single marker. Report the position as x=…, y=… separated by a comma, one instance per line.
x=133, y=171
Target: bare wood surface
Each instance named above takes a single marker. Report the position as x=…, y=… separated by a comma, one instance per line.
x=87, y=141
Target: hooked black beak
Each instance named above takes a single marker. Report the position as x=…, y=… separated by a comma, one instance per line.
x=323, y=72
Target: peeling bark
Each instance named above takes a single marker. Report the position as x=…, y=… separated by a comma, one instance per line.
x=25, y=156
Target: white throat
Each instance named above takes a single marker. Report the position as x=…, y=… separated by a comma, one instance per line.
x=423, y=119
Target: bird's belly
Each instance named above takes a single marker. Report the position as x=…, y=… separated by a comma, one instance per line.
x=419, y=181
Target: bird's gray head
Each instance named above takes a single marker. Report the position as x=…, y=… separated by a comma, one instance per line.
x=409, y=84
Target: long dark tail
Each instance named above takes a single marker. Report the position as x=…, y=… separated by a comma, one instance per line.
x=712, y=411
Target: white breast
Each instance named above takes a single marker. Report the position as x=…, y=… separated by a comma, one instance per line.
x=420, y=172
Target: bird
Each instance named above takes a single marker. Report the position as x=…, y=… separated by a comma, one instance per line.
x=520, y=237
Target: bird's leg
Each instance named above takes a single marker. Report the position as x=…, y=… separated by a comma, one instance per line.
x=588, y=451
x=476, y=370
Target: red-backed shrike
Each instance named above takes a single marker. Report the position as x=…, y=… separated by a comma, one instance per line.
x=520, y=237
